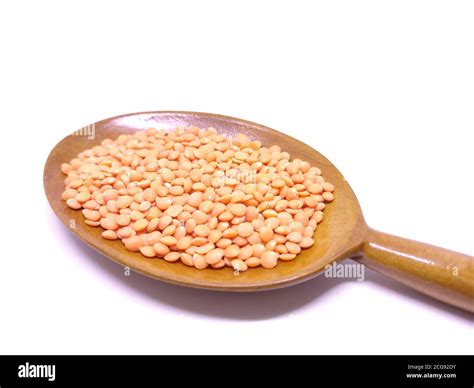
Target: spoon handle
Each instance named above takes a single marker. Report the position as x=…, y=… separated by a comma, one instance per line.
x=442, y=274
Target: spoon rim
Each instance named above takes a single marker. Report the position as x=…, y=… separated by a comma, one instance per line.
x=352, y=232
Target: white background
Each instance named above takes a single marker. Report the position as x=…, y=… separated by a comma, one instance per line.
x=385, y=89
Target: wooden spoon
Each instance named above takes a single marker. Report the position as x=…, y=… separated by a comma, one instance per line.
x=445, y=275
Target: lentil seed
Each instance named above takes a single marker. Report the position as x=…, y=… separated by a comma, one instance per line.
x=179, y=195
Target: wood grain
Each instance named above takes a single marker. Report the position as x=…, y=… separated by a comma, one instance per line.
x=443, y=274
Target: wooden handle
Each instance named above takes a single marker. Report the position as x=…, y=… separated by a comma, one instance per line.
x=442, y=274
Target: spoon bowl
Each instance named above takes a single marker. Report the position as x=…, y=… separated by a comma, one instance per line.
x=342, y=234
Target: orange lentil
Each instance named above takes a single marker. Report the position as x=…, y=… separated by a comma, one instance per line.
x=199, y=197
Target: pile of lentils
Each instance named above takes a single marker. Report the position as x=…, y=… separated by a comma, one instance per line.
x=198, y=196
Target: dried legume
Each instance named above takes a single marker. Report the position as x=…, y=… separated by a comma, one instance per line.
x=199, y=197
